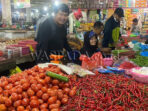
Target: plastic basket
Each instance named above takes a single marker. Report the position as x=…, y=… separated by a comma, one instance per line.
x=25, y=49
x=29, y=42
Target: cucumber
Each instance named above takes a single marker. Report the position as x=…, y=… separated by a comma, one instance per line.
x=57, y=76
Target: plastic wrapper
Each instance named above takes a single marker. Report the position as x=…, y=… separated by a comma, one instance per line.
x=66, y=69
x=139, y=74
x=116, y=70
x=104, y=71
x=108, y=61
x=79, y=70
x=91, y=63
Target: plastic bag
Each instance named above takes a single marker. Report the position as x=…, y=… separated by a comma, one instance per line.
x=104, y=71
x=144, y=53
x=140, y=74
x=79, y=70
x=91, y=63
x=116, y=70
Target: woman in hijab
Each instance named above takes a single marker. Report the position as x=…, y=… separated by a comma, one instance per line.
x=90, y=44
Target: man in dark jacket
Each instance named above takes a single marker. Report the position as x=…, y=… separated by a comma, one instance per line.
x=112, y=29
x=51, y=34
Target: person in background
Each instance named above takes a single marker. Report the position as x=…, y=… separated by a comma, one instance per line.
x=90, y=44
x=135, y=27
x=112, y=29
x=98, y=29
x=51, y=35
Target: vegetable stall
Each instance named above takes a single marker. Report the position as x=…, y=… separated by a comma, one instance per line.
x=47, y=87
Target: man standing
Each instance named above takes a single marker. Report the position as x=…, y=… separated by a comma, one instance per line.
x=112, y=29
x=51, y=35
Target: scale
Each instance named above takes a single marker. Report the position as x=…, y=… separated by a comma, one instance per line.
x=56, y=58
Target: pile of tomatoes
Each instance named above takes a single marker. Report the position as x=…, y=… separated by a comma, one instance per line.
x=32, y=90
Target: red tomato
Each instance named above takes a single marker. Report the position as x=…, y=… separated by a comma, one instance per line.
x=55, y=109
x=19, y=90
x=23, y=81
x=17, y=103
x=58, y=102
x=30, y=92
x=20, y=108
x=55, y=87
x=11, y=108
x=33, y=98
x=55, y=82
x=41, y=81
x=42, y=75
x=3, y=107
x=66, y=85
x=28, y=108
x=40, y=101
x=72, y=93
x=25, y=86
x=33, y=81
x=8, y=102
x=2, y=101
x=20, y=96
x=39, y=86
x=8, y=87
x=44, y=89
x=25, y=102
x=52, y=106
x=39, y=94
x=6, y=93
x=66, y=90
x=34, y=103
x=14, y=97
x=35, y=109
x=52, y=100
x=1, y=90
x=44, y=110
x=34, y=87
x=60, y=95
x=47, y=79
x=13, y=90
x=65, y=96
x=52, y=93
x=64, y=100
x=44, y=106
x=45, y=96
x=24, y=95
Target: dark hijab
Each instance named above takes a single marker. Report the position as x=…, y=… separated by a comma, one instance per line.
x=87, y=48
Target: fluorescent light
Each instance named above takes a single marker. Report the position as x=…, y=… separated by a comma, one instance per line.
x=47, y=14
x=52, y=14
x=56, y=3
x=37, y=10
x=32, y=14
x=17, y=12
x=18, y=4
x=45, y=8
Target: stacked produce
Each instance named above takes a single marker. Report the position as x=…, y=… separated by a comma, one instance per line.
x=108, y=93
x=33, y=90
x=141, y=61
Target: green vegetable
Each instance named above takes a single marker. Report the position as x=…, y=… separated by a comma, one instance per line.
x=57, y=76
x=141, y=61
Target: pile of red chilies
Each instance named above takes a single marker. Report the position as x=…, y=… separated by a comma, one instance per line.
x=108, y=93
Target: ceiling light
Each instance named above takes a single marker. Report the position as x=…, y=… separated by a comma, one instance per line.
x=45, y=8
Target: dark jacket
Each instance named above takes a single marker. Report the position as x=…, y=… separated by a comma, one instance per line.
x=87, y=48
x=111, y=32
x=51, y=38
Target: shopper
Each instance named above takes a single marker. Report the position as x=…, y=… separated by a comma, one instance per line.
x=135, y=28
x=90, y=44
x=112, y=29
x=98, y=29
x=51, y=35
